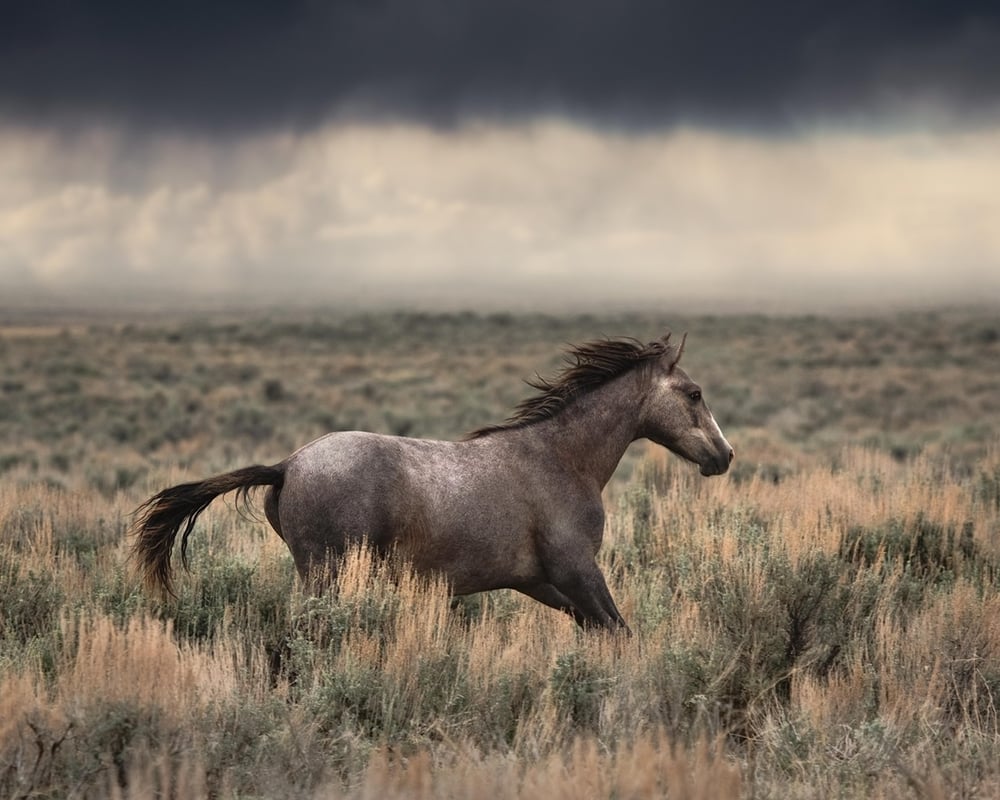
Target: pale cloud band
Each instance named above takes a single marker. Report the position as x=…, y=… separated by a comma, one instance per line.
x=546, y=214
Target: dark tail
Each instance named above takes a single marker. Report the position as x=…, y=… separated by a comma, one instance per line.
x=158, y=520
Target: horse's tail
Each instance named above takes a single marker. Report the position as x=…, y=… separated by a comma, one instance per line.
x=158, y=520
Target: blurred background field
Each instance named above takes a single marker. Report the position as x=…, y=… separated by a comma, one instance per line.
x=823, y=621
x=101, y=402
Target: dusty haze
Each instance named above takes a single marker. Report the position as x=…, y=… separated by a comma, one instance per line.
x=549, y=214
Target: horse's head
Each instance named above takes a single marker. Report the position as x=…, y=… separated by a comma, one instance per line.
x=675, y=415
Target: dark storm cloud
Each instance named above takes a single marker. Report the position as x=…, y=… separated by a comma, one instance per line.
x=240, y=64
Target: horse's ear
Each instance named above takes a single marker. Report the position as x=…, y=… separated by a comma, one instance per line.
x=661, y=342
x=679, y=353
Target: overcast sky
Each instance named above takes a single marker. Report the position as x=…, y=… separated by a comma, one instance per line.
x=501, y=154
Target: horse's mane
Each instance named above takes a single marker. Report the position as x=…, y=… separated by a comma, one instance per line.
x=588, y=366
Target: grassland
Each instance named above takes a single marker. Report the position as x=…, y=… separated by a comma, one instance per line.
x=823, y=622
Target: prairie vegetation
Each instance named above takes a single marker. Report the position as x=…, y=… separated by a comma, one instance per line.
x=824, y=621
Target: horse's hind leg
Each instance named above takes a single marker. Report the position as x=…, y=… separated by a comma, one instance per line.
x=319, y=576
x=271, y=510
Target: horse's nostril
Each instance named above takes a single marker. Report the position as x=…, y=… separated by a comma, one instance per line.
x=732, y=455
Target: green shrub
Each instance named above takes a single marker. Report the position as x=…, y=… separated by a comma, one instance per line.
x=578, y=687
x=30, y=601
x=925, y=549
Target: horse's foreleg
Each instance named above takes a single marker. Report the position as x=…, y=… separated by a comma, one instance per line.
x=549, y=595
x=584, y=585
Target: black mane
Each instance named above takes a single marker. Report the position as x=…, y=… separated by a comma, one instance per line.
x=588, y=366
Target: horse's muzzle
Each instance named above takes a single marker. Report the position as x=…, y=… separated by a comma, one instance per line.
x=719, y=465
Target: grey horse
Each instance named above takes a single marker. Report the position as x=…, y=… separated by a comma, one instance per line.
x=515, y=505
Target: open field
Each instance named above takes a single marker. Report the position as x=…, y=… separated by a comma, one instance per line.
x=823, y=621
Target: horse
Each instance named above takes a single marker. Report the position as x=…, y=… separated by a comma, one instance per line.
x=514, y=505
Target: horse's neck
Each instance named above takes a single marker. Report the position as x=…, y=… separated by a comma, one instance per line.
x=593, y=432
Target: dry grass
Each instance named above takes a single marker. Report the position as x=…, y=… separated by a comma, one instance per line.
x=809, y=670
x=823, y=623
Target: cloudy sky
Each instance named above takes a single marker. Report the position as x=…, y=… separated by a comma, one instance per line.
x=479, y=153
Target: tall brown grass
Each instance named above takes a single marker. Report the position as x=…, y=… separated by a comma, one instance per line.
x=835, y=633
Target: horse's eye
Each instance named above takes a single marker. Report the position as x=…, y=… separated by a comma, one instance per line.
x=695, y=396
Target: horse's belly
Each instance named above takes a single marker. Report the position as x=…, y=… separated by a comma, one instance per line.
x=474, y=562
